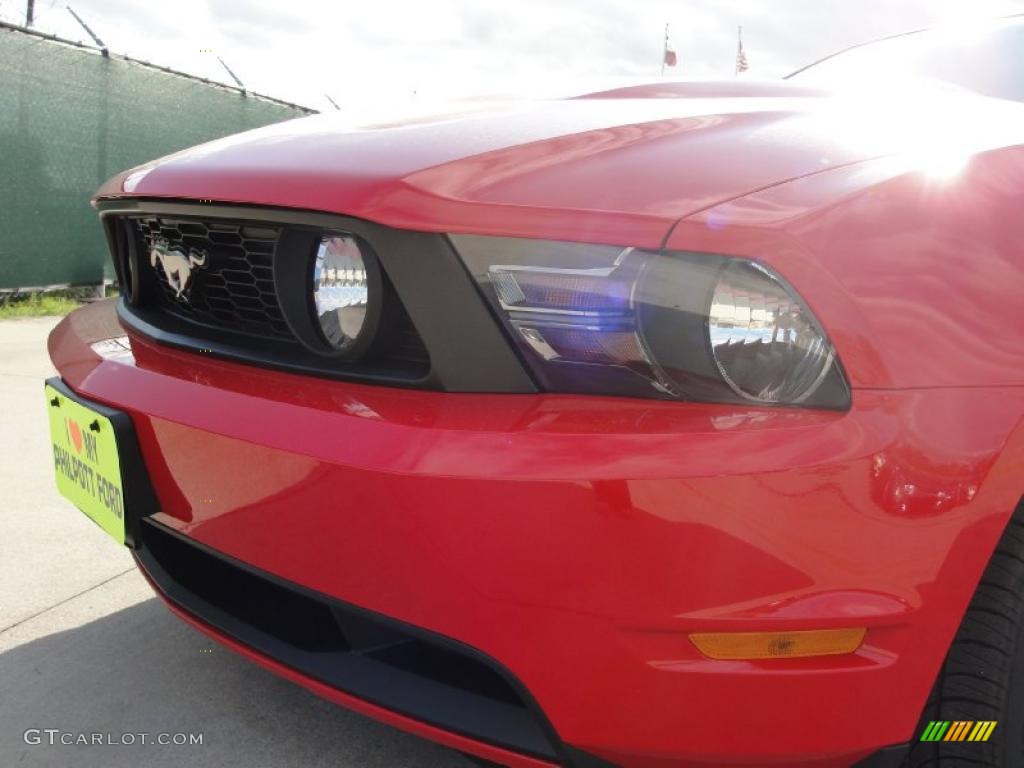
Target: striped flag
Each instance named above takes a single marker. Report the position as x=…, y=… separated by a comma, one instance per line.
x=741, y=55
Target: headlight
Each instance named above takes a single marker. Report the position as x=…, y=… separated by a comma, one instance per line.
x=688, y=326
x=766, y=344
x=343, y=282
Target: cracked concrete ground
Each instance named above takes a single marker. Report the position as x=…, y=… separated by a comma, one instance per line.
x=85, y=647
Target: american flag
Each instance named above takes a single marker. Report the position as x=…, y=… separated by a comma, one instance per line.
x=741, y=55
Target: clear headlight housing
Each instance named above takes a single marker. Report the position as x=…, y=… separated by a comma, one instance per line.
x=688, y=326
x=767, y=346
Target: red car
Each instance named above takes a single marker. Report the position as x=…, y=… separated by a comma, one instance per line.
x=673, y=425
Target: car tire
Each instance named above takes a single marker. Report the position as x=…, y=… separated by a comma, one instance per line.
x=983, y=675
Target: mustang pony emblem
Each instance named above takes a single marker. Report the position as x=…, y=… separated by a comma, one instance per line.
x=176, y=264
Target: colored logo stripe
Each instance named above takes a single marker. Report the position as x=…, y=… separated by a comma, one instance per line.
x=958, y=730
x=935, y=730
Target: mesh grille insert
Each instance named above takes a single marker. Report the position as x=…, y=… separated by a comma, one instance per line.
x=233, y=287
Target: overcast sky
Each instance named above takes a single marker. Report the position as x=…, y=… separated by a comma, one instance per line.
x=366, y=52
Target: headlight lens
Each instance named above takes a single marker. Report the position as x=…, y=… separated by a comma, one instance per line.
x=340, y=290
x=687, y=326
x=766, y=344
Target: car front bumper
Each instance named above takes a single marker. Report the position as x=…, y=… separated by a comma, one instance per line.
x=577, y=541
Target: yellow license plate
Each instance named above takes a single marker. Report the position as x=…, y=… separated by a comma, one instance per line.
x=85, y=461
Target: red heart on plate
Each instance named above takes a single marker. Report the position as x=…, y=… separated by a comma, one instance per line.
x=76, y=435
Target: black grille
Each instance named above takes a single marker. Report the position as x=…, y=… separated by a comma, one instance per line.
x=234, y=288
x=401, y=668
x=210, y=283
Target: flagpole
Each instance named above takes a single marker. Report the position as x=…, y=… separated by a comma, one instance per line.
x=664, y=50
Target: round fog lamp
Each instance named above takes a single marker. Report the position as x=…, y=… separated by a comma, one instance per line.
x=342, y=287
x=767, y=345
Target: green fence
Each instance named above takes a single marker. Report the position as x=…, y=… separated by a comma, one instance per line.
x=69, y=119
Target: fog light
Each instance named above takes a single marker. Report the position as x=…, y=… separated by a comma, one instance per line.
x=778, y=645
x=341, y=291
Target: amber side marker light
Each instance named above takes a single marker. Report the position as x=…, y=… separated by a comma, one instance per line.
x=778, y=645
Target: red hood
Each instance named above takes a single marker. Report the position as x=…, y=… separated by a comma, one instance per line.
x=607, y=168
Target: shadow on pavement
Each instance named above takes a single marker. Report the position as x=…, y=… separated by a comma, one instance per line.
x=142, y=670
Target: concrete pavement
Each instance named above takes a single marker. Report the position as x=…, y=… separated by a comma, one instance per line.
x=85, y=647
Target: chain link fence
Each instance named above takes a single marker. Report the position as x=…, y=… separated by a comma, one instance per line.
x=70, y=117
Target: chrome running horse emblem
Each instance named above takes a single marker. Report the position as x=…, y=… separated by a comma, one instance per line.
x=177, y=266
